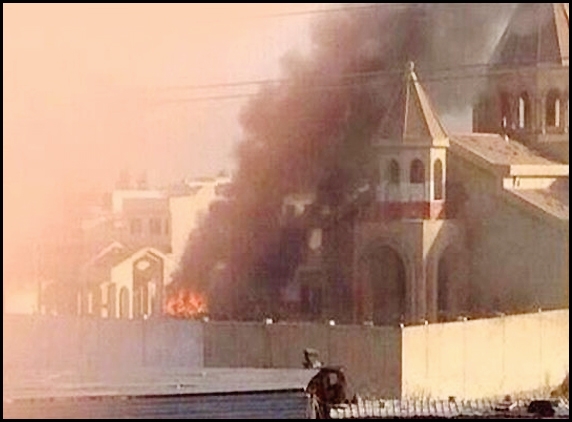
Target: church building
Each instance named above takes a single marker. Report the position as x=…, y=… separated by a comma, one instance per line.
x=459, y=225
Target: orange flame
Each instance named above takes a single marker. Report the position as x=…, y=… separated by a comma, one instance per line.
x=186, y=304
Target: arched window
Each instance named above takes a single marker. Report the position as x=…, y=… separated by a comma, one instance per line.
x=90, y=302
x=553, y=108
x=111, y=301
x=438, y=179
x=393, y=172
x=505, y=110
x=417, y=172
x=124, y=302
x=137, y=303
x=523, y=111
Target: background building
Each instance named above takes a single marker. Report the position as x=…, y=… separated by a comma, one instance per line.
x=128, y=248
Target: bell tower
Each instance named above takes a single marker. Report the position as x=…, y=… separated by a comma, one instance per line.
x=402, y=236
x=412, y=145
x=527, y=85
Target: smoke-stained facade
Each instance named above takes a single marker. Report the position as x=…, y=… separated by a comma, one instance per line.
x=402, y=207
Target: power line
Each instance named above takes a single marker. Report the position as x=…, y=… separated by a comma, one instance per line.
x=325, y=87
x=351, y=75
x=268, y=82
x=386, y=6
x=334, y=10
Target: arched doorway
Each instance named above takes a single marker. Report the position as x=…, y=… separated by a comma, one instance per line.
x=111, y=301
x=140, y=298
x=387, y=285
x=124, y=303
x=147, y=271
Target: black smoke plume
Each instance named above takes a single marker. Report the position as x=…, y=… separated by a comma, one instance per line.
x=311, y=133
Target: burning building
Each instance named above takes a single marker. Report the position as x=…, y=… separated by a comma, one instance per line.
x=356, y=203
x=455, y=224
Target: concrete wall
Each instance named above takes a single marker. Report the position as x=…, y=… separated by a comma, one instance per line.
x=488, y=357
x=371, y=355
x=84, y=344
x=234, y=345
x=471, y=359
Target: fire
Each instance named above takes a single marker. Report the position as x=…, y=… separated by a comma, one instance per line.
x=186, y=304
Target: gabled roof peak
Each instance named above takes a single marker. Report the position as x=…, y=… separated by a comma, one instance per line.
x=536, y=33
x=411, y=118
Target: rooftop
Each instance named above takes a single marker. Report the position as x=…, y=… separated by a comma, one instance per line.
x=505, y=156
x=554, y=201
x=496, y=149
x=537, y=33
x=150, y=382
x=158, y=393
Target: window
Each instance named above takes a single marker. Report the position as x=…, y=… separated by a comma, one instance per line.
x=438, y=179
x=553, y=109
x=136, y=226
x=124, y=303
x=523, y=111
x=417, y=173
x=393, y=172
x=505, y=110
x=111, y=301
x=90, y=304
x=155, y=226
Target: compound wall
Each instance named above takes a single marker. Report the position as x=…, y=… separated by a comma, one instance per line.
x=487, y=357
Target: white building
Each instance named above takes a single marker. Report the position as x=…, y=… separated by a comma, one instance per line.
x=133, y=244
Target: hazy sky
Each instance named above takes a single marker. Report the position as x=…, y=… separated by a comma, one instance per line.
x=81, y=81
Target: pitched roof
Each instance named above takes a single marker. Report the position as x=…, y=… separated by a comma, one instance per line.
x=111, y=255
x=495, y=151
x=507, y=157
x=141, y=252
x=554, y=201
x=411, y=118
x=537, y=33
